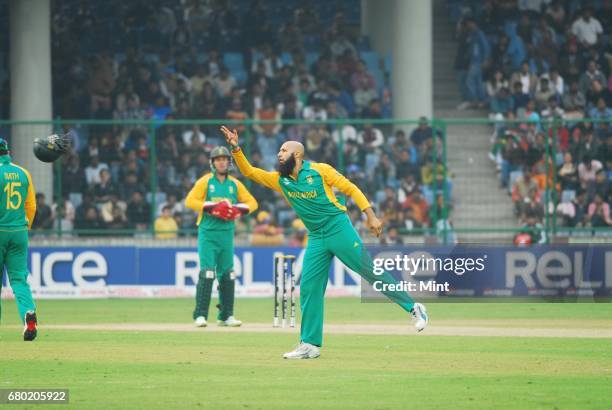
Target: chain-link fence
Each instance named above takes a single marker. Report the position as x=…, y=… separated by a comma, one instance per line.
x=440, y=181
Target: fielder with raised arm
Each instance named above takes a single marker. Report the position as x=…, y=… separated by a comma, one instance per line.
x=219, y=199
x=308, y=188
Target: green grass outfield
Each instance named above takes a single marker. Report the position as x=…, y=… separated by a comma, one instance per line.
x=240, y=368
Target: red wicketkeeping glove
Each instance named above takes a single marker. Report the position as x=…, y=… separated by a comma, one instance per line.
x=222, y=210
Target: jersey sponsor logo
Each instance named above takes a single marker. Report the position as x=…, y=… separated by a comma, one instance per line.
x=218, y=199
x=286, y=181
x=211, y=188
x=302, y=195
x=309, y=180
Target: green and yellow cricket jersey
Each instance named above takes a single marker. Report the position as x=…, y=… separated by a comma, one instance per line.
x=311, y=195
x=210, y=189
x=18, y=196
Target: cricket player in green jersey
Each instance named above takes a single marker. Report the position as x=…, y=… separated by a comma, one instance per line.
x=308, y=188
x=219, y=199
x=17, y=210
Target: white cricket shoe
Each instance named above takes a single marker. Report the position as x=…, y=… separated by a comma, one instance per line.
x=303, y=351
x=419, y=314
x=230, y=322
x=200, y=321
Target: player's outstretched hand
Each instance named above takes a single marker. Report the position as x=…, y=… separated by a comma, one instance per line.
x=231, y=137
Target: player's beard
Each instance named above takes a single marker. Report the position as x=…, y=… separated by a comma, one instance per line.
x=287, y=167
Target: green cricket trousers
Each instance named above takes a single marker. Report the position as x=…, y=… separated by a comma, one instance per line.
x=340, y=239
x=216, y=252
x=14, y=256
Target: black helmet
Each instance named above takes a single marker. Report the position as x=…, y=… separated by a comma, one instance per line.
x=49, y=149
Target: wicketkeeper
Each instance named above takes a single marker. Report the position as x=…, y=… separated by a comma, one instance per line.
x=219, y=199
x=17, y=210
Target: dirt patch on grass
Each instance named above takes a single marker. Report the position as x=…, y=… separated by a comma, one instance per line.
x=468, y=329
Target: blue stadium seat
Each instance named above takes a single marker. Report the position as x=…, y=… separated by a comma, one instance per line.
x=240, y=76
x=201, y=58
x=233, y=61
x=151, y=58
x=160, y=197
x=311, y=57
x=389, y=63
x=371, y=59
x=286, y=58
x=363, y=44
x=76, y=199
x=568, y=195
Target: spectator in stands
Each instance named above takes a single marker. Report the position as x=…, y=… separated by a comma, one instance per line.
x=73, y=177
x=418, y=209
x=587, y=170
x=165, y=225
x=422, y=133
x=406, y=164
x=531, y=205
x=591, y=74
x=596, y=92
x=63, y=215
x=568, y=174
x=571, y=62
x=574, y=102
x=391, y=237
x=496, y=83
x=601, y=186
x=526, y=78
x=265, y=233
x=104, y=189
x=552, y=109
x=199, y=78
x=363, y=85
x=316, y=111
x=138, y=211
x=543, y=93
x=556, y=12
x=522, y=186
x=107, y=209
x=557, y=82
x=501, y=103
x=519, y=98
x=587, y=28
x=534, y=230
x=370, y=138
x=224, y=83
x=92, y=172
x=479, y=51
x=193, y=137
x=601, y=111
x=271, y=63
x=44, y=217
x=599, y=213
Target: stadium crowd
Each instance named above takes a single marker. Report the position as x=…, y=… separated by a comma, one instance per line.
x=214, y=60
x=546, y=61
